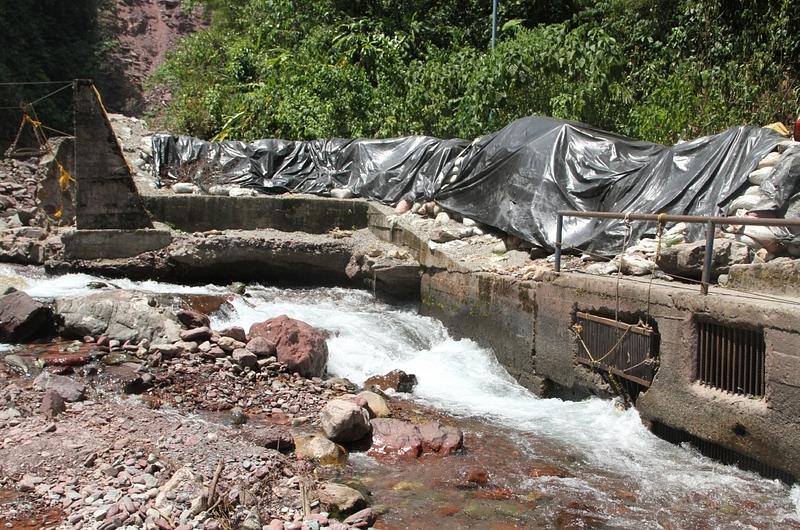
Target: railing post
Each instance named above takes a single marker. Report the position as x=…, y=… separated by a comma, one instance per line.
x=708, y=258
x=559, y=228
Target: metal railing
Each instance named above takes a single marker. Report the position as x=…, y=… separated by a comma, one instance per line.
x=710, y=222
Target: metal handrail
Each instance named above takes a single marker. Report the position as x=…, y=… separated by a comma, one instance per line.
x=710, y=222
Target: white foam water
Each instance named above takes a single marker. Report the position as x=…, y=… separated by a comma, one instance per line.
x=464, y=379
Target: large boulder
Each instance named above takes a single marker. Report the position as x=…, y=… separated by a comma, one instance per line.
x=23, y=318
x=344, y=421
x=398, y=439
x=301, y=347
x=122, y=315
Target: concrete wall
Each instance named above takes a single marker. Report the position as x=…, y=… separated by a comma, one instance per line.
x=197, y=213
x=528, y=326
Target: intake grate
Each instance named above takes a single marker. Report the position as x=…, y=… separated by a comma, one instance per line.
x=629, y=351
x=720, y=453
x=731, y=359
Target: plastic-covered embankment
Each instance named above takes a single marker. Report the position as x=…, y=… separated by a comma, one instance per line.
x=515, y=180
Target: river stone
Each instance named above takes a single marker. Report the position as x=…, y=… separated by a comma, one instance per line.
x=344, y=421
x=396, y=380
x=398, y=439
x=234, y=332
x=123, y=315
x=245, y=358
x=320, y=449
x=193, y=319
x=68, y=389
x=301, y=347
x=362, y=519
x=374, y=403
x=23, y=318
x=340, y=498
x=182, y=484
x=52, y=404
x=201, y=334
x=228, y=344
x=261, y=347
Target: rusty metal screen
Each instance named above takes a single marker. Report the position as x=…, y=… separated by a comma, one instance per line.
x=629, y=351
x=731, y=358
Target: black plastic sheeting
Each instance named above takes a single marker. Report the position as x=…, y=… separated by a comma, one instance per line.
x=515, y=180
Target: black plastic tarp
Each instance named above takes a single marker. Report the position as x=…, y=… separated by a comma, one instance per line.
x=515, y=180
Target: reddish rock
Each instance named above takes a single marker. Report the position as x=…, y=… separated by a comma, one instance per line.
x=198, y=335
x=301, y=347
x=398, y=439
x=396, y=380
x=23, y=318
x=448, y=511
x=68, y=389
x=363, y=519
x=193, y=319
x=66, y=359
x=52, y=404
x=547, y=470
x=477, y=476
x=441, y=440
x=499, y=494
x=234, y=332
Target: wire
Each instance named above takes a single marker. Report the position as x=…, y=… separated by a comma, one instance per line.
x=34, y=83
x=53, y=93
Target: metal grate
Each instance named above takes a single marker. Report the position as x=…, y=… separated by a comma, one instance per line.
x=731, y=359
x=626, y=350
x=720, y=453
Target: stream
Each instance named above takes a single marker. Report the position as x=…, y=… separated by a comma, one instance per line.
x=550, y=463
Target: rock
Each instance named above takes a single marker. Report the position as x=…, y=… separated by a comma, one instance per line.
x=189, y=347
x=185, y=484
x=402, y=207
x=237, y=416
x=228, y=344
x=245, y=358
x=440, y=440
x=770, y=160
x=69, y=389
x=261, y=347
x=362, y=519
x=396, y=380
x=184, y=187
x=196, y=334
x=466, y=221
x=450, y=233
x=341, y=193
x=28, y=483
x=442, y=219
x=320, y=449
x=399, y=439
x=344, y=421
x=340, y=498
x=375, y=404
x=193, y=319
x=686, y=259
x=123, y=315
x=52, y=404
x=237, y=288
x=218, y=190
x=234, y=332
x=301, y=347
x=23, y=318
x=275, y=437
x=168, y=351
x=251, y=522
x=242, y=192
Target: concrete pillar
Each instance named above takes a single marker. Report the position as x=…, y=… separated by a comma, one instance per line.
x=106, y=194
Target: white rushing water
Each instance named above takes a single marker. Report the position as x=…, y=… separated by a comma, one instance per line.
x=371, y=338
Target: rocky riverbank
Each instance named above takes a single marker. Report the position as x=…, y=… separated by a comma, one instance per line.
x=154, y=419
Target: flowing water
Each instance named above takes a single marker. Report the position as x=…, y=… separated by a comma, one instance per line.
x=551, y=463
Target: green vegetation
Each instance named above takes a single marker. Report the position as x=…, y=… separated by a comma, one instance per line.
x=47, y=40
x=660, y=70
